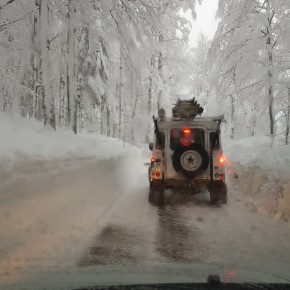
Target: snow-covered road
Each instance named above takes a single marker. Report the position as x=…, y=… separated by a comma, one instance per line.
x=86, y=212
x=49, y=213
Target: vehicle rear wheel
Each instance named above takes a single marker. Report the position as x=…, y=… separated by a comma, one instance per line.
x=156, y=196
x=218, y=192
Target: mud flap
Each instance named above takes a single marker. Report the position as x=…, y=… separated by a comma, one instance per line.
x=156, y=195
x=218, y=192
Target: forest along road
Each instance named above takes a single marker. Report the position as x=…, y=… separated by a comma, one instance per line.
x=86, y=212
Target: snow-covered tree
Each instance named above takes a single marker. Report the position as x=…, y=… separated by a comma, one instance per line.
x=92, y=65
x=245, y=55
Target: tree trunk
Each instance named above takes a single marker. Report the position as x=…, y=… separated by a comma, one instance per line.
x=39, y=114
x=253, y=120
x=120, y=89
x=150, y=93
x=62, y=83
x=108, y=122
x=70, y=67
x=102, y=114
x=287, y=119
x=81, y=73
x=61, y=118
x=134, y=100
x=133, y=116
x=160, y=65
x=77, y=103
x=35, y=62
x=68, y=95
x=149, y=110
x=5, y=101
x=271, y=114
x=232, y=117
x=114, y=130
x=48, y=100
x=160, y=70
x=269, y=48
x=233, y=97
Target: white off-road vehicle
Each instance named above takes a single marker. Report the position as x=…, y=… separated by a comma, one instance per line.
x=187, y=154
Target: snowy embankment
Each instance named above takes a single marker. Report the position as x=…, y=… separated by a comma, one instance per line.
x=262, y=174
x=24, y=142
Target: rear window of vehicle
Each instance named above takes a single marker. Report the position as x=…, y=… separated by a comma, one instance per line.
x=186, y=137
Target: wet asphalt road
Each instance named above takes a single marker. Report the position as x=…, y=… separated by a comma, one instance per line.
x=141, y=233
x=149, y=235
x=88, y=212
x=187, y=229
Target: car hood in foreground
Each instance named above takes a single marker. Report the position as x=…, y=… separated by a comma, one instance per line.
x=75, y=278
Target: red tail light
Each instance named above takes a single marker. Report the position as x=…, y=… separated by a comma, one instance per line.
x=157, y=174
x=152, y=159
x=222, y=159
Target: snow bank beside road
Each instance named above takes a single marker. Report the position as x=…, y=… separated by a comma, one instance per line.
x=263, y=174
x=258, y=152
x=22, y=138
x=26, y=147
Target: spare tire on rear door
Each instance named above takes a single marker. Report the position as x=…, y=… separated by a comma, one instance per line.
x=190, y=160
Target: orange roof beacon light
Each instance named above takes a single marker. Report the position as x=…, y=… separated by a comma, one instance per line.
x=186, y=132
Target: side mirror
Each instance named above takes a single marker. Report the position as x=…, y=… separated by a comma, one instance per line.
x=151, y=146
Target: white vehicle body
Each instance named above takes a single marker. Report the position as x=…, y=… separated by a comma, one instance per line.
x=187, y=155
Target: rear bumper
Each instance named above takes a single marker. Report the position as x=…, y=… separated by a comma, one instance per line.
x=180, y=184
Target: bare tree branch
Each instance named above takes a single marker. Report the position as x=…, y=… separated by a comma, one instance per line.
x=9, y=2
x=264, y=32
x=3, y=25
x=51, y=40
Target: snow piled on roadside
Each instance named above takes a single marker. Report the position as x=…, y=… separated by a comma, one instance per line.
x=262, y=174
x=27, y=147
x=22, y=138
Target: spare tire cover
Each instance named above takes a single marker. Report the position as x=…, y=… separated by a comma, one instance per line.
x=191, y=160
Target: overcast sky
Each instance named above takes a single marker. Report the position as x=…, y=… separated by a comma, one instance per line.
x=205, y=21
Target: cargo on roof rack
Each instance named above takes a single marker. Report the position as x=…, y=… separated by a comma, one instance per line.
x=187, y=109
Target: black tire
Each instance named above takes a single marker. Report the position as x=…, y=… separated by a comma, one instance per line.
x=200, y=160
x=225, y=199
x=218, y=192
x=156, y=196
x=213, y=197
